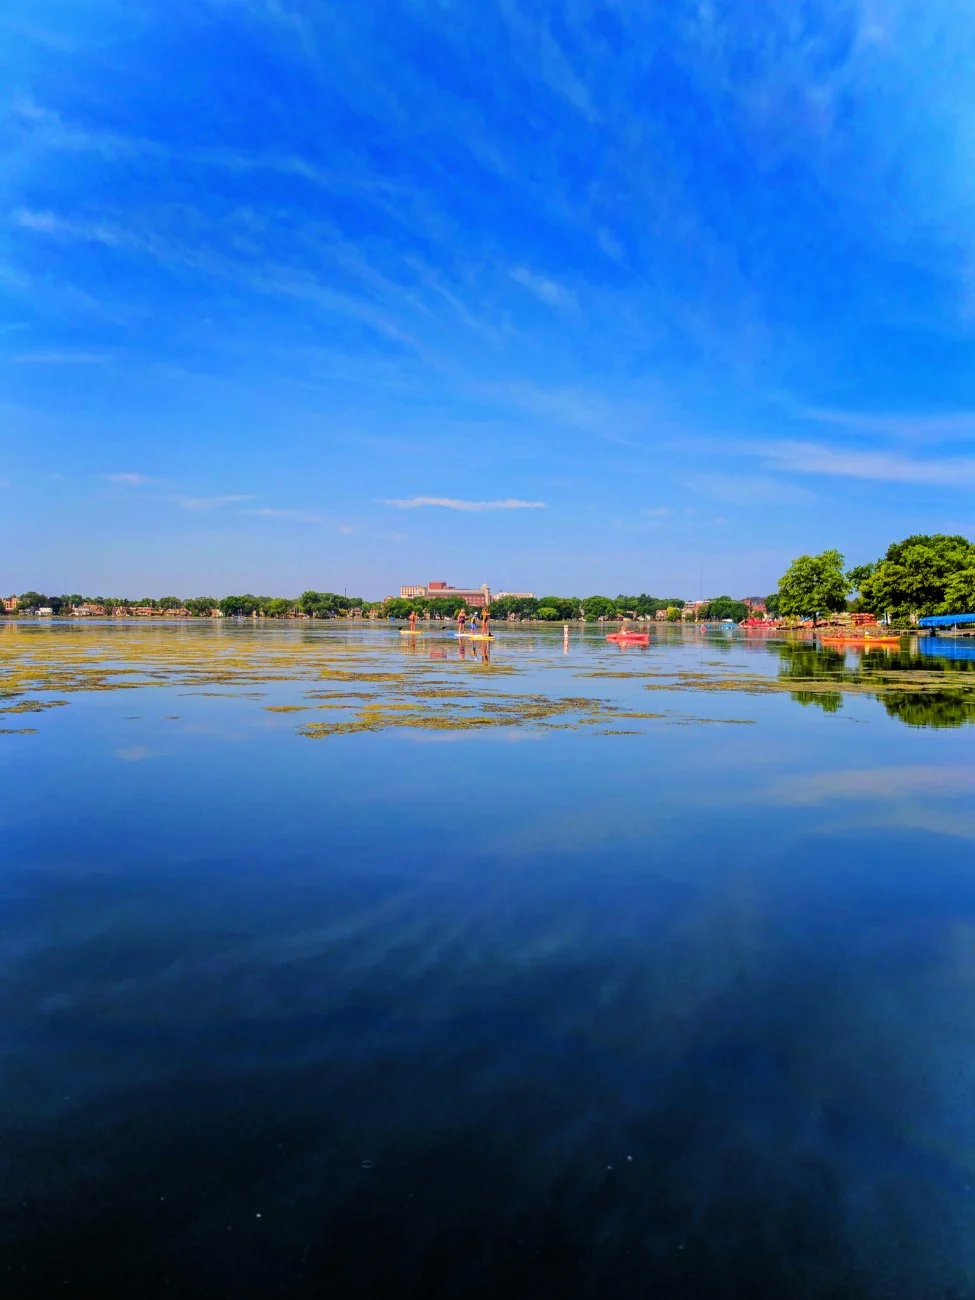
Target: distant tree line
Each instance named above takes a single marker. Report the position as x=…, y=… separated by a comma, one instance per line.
x=315, y=604
x=552, y=609
x=328, y=604
x=922, y=575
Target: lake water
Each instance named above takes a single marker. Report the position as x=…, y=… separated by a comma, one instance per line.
x=340, y=963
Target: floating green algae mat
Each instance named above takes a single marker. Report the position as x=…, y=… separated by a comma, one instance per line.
x=377, y=683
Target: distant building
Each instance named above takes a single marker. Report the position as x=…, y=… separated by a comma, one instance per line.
x=45, y=611
x=88, y=610
x=755, y=603
x=10, y=604
x=513, y=595
x=475, y=597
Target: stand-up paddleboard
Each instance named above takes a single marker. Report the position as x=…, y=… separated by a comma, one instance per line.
x=473, y=636
x=405, y=631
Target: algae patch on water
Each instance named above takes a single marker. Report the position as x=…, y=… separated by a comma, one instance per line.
x=371, y=684
x=32, y=706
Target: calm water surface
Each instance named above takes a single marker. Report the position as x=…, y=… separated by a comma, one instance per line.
x=464, y=981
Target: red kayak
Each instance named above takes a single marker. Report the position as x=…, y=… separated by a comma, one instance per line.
x=629, y=638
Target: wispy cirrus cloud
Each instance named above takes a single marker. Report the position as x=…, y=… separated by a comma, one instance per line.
x=49, y=223
x=747, y=489
x=296, y=516
x=945, y=425
x=128, y=480
x=548, y=291
x=210, y=503
x=61, y=358
x=454, y=503
x=879, y=466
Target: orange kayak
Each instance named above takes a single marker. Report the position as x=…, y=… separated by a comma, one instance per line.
x=861, y=640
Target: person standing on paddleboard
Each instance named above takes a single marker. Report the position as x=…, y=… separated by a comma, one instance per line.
x=461, y=620
x=412, y=620
x=485, y=621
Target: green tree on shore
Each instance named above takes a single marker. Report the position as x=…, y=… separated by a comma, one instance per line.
x=723, y=607
x=520, y=606
x=565, y=606
x=813, y=585
x=921, y=575
x=596, y=607
x=239, y=606
x=959, y=593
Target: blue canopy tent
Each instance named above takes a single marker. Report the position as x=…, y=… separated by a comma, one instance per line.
x=946, y=620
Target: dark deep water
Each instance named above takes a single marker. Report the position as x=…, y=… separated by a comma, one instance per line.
x=682, y=1013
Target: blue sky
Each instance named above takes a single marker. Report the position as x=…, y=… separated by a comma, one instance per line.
x=578, y=297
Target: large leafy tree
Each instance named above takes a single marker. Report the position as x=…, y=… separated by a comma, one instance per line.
x=594, y=607
x=444, y=606
x=239, y=605
x=202, y=606
x=278, y=607
x=959, y=593
x=564, y=606
x=520, y=606
x=325, y=604
x=812, y=585
x=723, y=607
x=644, y=604
x=915, y=576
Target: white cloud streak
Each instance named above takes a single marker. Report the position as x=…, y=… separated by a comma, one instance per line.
x=748, y=489
x=61, y=358
x=453, y=503
x=129, y=480
x=548, y=291
x=295, y=516
x=209, y=503
x=878, y=466
x=946, y=425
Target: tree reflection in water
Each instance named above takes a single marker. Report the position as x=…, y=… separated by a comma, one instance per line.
x=920, y=690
